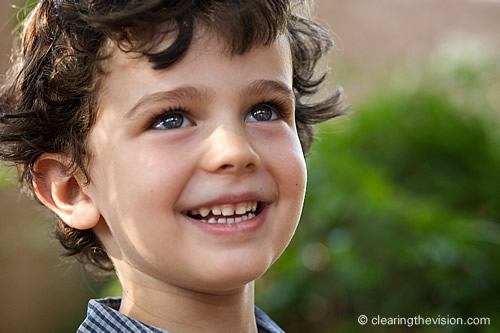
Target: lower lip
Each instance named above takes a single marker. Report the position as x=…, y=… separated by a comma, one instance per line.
x=243, y=227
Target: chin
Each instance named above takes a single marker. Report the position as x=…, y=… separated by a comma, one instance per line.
x=230, y=275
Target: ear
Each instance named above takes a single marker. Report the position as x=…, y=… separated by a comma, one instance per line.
x=63, y=192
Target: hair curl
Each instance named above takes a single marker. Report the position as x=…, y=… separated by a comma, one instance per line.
x=48, y=99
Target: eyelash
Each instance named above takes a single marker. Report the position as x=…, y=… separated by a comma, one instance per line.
x=280, y=107
x=163, y=113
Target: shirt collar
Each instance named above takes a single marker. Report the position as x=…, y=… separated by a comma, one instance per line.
x=103, y=316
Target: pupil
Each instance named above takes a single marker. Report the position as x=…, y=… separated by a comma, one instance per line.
x=262, y=114
x=173, y=121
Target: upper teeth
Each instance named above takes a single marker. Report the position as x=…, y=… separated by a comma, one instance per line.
x=226, y=209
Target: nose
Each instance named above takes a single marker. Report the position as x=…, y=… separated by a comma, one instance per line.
x=229, y=150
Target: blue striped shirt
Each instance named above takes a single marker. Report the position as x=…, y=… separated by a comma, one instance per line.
x=103, y=316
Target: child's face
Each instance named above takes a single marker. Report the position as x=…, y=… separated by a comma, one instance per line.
x=230, y=142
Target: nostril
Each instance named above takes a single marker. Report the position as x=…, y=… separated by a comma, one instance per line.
x=230, y=166
x=250, y=166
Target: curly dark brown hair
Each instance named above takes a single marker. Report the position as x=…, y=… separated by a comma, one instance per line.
x=48, y=98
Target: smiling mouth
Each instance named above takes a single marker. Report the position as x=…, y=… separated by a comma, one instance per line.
x=227, y=213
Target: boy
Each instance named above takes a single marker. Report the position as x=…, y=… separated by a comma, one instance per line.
x=168, y=138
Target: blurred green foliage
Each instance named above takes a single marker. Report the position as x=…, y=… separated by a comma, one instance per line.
x=402, y=213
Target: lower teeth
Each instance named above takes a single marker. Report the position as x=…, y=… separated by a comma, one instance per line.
x=229, y=220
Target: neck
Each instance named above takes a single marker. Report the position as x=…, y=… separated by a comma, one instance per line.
x=178, y=309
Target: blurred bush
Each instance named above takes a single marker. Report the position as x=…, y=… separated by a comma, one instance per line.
x=402, y=213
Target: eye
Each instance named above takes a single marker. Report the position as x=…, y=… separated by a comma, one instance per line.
x=262, y=112
x=171, y=120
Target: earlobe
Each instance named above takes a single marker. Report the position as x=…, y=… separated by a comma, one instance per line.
x=64, y=193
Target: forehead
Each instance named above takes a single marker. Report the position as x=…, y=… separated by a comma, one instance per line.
x=206, y=63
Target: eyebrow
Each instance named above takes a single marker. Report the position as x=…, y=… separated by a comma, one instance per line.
x=265, y=87
x=178, y=94
x=189, y=92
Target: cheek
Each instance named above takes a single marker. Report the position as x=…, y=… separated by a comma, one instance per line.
x=150, y=184
x=133, y=184
x=289, y=166
x=290, y=174
x=136, y=199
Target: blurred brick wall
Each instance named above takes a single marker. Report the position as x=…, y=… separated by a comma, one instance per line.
x=381, y=30
x=374, y=35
